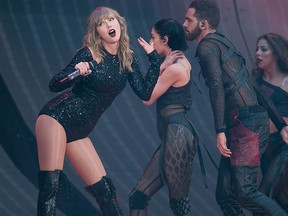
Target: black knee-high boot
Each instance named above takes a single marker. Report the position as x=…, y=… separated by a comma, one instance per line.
x=49, y=188
x=105, y=193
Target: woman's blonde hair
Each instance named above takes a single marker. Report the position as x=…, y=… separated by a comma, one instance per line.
x=92, y=39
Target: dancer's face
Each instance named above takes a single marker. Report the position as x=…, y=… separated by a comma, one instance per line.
x=191, y=25
x=264, y=55
x=158, y=42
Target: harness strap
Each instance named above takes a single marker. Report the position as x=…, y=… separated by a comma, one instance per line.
x=242, y=75
x=231, y=49
x=202, y=168
x=227, y=55
x=201, y=160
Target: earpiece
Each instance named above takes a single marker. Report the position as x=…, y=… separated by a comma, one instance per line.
x=202, y=24
x=164, y=40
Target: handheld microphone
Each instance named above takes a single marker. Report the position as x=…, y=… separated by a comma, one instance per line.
x=73, y=75
x=76, y=73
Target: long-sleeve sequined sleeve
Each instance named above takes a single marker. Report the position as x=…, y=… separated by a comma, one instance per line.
x=209, y=57
x=59, y=81
x=143, y=86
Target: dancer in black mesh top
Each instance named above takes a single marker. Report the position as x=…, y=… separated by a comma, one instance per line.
x=105, y=63
x=172, y=161
x=237, y=114
x=272, y=77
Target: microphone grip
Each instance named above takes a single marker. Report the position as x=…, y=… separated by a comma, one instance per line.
x=76, y=73
x=73, y=75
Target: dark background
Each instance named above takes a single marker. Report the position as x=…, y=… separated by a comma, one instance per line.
x=39, y=37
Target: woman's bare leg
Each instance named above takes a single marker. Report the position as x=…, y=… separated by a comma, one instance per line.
x=51, y=143
x=85, y=160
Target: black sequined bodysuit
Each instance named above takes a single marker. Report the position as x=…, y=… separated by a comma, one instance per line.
x=79, y=109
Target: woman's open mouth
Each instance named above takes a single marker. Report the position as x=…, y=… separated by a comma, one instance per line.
x=258, y=60
x=112, y=33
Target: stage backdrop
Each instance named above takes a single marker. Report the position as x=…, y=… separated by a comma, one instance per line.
x=39, y=37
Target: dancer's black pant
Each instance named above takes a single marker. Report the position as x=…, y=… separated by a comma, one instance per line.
x=247, y=138
x=274, y=166
x=171, y=164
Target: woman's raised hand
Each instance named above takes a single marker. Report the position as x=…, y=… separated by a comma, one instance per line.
x=146, y=46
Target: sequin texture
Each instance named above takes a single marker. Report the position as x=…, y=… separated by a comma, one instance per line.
x=79, y=109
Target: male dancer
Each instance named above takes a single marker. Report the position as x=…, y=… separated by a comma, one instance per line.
x=241, y=124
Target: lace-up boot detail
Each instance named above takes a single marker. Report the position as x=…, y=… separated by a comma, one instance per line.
x=105, y=193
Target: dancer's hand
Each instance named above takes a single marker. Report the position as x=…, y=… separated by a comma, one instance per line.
x=170, y=59
x=222, y=145
x=284, y=134
x=146, y=46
